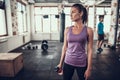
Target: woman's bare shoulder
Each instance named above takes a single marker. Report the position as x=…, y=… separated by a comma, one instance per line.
x=67, y=29
x=89, y=29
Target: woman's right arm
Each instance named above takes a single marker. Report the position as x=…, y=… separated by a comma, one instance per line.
x=64, y=48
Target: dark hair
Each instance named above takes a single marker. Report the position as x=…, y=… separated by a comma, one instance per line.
x=101, y=16
x=81, y=8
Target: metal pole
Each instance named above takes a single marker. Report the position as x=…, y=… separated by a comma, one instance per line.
x=116, y=26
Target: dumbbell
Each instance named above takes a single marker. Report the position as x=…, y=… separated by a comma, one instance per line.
x=28, y=46
x=44, y=45
x=58, y=70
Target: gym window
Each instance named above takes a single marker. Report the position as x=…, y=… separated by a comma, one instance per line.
x=46, y=19
x=22, y=18
x=3, y=28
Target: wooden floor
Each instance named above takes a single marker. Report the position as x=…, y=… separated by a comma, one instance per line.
x=39, y=65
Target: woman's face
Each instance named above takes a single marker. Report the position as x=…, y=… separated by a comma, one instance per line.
x=75, y=14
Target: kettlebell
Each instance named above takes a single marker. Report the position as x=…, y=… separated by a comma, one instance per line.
x=44, y=45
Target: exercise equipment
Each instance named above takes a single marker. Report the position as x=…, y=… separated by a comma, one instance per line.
x=58, y=70
x=44, y=41
x=30, y=46
x=44, y=45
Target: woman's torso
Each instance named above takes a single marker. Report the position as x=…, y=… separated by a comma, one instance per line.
x=76, y=53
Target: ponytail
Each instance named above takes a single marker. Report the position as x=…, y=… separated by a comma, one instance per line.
x=81, y=8
x=85, y=15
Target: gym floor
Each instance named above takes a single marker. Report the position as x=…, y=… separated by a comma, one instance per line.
x=39, y=65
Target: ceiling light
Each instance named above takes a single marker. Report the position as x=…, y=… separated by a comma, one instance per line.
x=90, y=2
x=65, y=2
x=31, y=1
x=83, y=1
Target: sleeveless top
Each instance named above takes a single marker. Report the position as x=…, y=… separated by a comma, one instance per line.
x=76, y=52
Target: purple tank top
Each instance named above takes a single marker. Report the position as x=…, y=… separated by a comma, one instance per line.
x=76, y=53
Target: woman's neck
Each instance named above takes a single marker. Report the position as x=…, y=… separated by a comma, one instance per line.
x=78, y=25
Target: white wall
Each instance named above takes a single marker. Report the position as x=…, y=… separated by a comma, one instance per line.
x=45, y=36
x=13, y=42
x=4, y=47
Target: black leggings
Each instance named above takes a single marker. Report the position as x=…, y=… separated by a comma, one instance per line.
x=68, y=71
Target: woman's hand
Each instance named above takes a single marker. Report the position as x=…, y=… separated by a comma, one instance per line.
x=60, y=70
x=59, y=65
x=87, y=74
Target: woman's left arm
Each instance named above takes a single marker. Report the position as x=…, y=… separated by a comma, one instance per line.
x=89, y=52
x=90, y=47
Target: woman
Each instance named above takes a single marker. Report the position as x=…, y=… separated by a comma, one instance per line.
x=74, y=54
